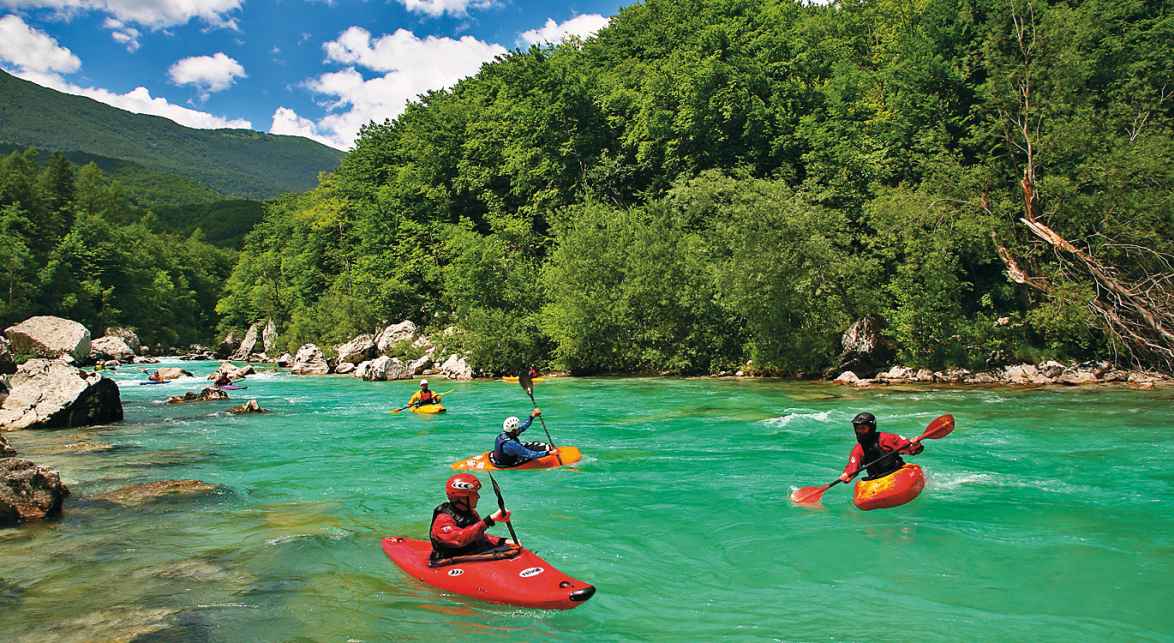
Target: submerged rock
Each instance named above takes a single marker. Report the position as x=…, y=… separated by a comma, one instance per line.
x=309, y=361
x=121, y=623
x=209, y=394
x=140, y=494
x=29, y=492
x=50, y=337
x=248, y=407
x=51, y=394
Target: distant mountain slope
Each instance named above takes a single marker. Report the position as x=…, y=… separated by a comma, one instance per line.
x=240, y=163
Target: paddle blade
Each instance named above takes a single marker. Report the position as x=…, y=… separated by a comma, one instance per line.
x=939, y=428
x=525, y=383
x=809, y=495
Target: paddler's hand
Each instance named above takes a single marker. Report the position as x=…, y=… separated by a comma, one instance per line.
x=552, y=452
x=535, y=413
x=845, y=478
x=500, y=516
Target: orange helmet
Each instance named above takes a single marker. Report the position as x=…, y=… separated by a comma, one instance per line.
x=462, y=485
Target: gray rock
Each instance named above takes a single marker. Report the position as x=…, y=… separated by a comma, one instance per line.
x=1051, y=369
x=309, y=361
x=172, y=373
x=392, y=335
x=51, y=394
x=248, y=407
x=982, y=378
x=50, y=337
x=847, y=377
x=924, y=375
x=1021, y=374
x=29, y=492
x=897, y=374
x=248, y=345
x=356, y=351
x=228, y=346
x=456, y=368
x=127, y=335
x=209, y=394
x=864, y=349
x=145, y=360
x=285, y=360
x=105, y=348
x=418, y=366
x=384, y=368
x=6, y=451
x=344, y=368
x=269, y=337
x=1077, y=377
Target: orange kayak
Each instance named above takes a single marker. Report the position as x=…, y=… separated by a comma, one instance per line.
x=567, y=455
x=893, y=490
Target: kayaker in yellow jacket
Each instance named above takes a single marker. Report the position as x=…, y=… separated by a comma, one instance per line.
x=423, y=396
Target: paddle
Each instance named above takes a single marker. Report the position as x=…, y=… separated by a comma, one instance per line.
x=528, y=386
x=939, y=428
x=501, y=505
x=406, y=406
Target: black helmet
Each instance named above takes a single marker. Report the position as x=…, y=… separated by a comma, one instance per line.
x=866, y=418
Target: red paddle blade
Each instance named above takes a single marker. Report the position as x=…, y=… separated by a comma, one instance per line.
x=939, y=428
x=808, y=495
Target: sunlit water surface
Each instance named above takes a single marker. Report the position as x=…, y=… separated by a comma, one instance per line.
x=1046, y=515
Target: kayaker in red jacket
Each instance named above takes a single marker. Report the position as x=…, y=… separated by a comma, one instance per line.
x=872, y=445
x=457, y=529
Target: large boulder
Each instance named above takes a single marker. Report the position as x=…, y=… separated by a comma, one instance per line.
x=864, y=349
x=383, y=368
x=394, y=334
x=846, y=378
x=127, y=335
x=309, y=361
x=418, y=366
x=106, y=348
x=50, y=337
x=169, y=373
x=284, y=360
x=898, y=375
x=356, y=351
x=232, y=371
x=456, y=368
x=7, y=359
x=269, y=336
x=228, y=346
x=1077, y=377
x=29, y=492
x=51, y=394
x=248, y=345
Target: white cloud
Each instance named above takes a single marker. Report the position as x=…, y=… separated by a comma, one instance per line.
x=33, y=50
x=287, y=121
x=411, y=66
x=155, y=14
x=124, y=34
x=582, y=26
x=209, y=74
x=441, y=7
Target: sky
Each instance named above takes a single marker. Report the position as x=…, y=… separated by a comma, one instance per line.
x=314, y=68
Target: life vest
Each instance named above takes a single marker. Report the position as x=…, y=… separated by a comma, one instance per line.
x=886, y=466
x=499, y=457
x=462, y=520
x=427, y=397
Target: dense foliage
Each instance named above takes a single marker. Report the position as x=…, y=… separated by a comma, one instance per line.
x=707, y=182
x=235, y=163
x=73, y=245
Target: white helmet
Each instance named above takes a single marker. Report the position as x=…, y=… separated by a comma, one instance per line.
x=423, y=382
x=511, y=424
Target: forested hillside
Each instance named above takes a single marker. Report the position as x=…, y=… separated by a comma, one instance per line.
x=235, y=163
x=73, y=244
x=708, y=182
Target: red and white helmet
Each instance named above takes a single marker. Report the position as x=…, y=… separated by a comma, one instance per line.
x=462, y=485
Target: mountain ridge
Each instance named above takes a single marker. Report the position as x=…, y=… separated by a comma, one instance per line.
x=233, y=162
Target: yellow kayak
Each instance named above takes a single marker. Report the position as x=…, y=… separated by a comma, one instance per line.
x=513, y=379
x=429, y=409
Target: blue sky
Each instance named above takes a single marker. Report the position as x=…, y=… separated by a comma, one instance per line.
x=315, y=68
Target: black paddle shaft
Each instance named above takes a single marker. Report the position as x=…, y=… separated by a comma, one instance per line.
x=528, y=386
x=501, y=505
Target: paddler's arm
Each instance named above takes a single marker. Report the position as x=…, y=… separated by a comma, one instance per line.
x=894, y=442
x=853, y=463
x=415, y=398
x=447, y=532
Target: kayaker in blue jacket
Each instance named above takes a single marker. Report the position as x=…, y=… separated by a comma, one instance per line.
x=509, y=451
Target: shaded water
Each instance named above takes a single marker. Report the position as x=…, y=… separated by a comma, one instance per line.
x=1046, y=516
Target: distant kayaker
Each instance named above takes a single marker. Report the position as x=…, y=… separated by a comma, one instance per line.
x=457, y=529
x=871, y=447
x=509, y=451
x=423, y=396
x=222, y=379
x=153, y=376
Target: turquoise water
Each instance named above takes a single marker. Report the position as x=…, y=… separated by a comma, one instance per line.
x=1046, y=516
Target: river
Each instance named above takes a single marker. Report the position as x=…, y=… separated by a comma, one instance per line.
x=1046, y=515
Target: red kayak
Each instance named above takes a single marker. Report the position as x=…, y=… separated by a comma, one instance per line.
x=525, y=580
x=893, y=490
